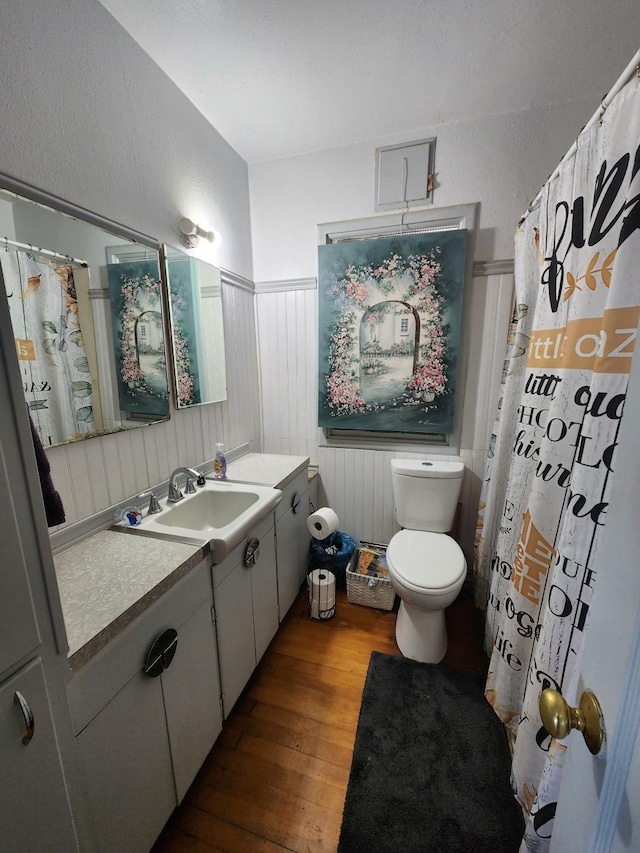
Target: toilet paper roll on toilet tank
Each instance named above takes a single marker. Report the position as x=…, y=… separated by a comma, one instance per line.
x=322, y=523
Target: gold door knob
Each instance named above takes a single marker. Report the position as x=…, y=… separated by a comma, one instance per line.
x=558, y=718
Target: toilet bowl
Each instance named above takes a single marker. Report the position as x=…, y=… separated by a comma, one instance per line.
x=427, y=571
x=426, y=566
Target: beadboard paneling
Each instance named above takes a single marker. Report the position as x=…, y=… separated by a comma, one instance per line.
x=357, y=482
x=101, y=472
x=489, y=314
x=288, y=353
x=95, y=474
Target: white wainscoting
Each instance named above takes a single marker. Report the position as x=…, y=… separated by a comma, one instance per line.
x=288, y=355
x=98, y=473
x=95, y=474
x=357, y=482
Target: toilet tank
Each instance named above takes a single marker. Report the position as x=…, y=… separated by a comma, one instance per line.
x=426, y=493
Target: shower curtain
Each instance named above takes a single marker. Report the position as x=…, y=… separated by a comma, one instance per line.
x=53, y=361
x=553, y=454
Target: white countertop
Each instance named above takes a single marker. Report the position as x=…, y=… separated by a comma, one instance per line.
x=266, y=469
x=109, y=578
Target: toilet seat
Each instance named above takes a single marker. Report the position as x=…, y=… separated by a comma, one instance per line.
x=408, y=551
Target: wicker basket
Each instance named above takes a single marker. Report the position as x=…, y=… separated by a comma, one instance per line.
x=365, y=589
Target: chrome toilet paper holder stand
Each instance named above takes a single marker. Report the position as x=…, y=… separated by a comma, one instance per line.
x=322, y=613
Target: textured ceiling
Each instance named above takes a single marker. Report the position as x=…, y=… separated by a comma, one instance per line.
x=283, y=77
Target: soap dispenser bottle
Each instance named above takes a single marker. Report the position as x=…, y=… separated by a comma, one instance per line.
x=220, y=464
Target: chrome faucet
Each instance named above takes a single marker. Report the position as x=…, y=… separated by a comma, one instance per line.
x=175, y=494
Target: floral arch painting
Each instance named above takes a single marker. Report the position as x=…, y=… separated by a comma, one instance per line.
x=389, y=322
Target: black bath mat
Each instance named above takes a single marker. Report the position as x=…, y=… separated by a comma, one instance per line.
x=431, y=766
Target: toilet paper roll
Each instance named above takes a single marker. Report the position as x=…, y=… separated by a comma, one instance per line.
x=321, y=585
x=322, y=523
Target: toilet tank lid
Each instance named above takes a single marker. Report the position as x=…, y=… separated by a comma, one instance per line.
x=426, y=468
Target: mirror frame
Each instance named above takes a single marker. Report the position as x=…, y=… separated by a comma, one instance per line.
x=168, y=254
x=28, y=193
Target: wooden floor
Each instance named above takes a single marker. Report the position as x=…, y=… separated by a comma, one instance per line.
x=277, y=776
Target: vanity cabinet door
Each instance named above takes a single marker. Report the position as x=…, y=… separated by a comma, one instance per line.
x=292, y=552
x=191, y=688
x=264, y=595
x=246, y=604
x=234, y=625
x=145, y=718
x=34, y=810
x=126, y=759
x=292, y=541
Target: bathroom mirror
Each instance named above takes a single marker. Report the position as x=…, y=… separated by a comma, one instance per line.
x=88, y=318
x=197, y=329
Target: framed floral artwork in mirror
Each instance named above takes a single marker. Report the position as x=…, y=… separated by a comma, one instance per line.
x=135, y=296
x=197, y=329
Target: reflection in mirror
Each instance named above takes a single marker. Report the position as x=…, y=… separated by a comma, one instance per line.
x=135, y=298
x=197, y=329
x=87, y=322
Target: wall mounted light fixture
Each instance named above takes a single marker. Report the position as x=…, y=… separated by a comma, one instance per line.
x=191, y=233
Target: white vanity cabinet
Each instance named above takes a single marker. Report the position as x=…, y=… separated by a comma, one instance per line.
x=245, y=592
x=144, y=719
x=292, y=540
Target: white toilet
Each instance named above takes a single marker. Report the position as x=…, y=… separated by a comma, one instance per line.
x=426, y=567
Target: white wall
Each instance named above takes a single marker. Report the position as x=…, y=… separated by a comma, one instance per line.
x=87, y=116
x=499, y=161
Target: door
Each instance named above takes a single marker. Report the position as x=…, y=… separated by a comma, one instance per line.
x=20, y=633
x=597, y=812
x=34, y=809
x=36, y=740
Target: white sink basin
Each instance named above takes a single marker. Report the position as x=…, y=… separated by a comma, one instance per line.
x=220, y=512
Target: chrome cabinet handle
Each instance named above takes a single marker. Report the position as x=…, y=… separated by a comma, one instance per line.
x=296, y=503
x=27, y=714
x=252, y=552
x=161, y=653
